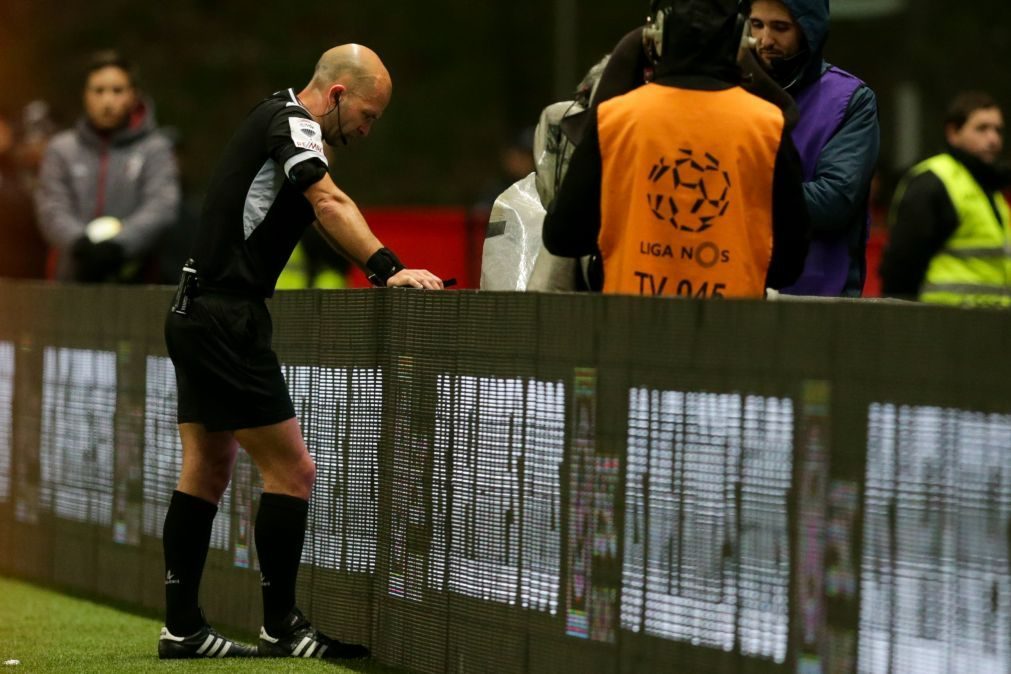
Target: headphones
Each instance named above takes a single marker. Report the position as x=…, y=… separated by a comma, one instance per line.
x=340, y=124
x=336, y=104
x=744, y=25
x=652, y=32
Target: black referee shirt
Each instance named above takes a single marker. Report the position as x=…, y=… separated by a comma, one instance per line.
x=255, y=213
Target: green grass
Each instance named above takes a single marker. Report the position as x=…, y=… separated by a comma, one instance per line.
x=52, y=632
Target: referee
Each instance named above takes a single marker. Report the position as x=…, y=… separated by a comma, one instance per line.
x=271, y=183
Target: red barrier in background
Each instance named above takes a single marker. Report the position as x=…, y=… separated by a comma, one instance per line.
x=443, y=240
x=448, y=242
x=877, y=240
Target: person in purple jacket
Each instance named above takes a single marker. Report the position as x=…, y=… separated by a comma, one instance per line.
x=837, y=135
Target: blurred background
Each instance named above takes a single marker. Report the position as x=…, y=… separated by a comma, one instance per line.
x=468, y=76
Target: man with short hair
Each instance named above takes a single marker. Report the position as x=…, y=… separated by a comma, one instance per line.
x=114, y=171
x=837, y=136
x=951, y=227
x=270, y=184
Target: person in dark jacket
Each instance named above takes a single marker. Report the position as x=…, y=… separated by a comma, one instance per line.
x=22, y=251
x=689, y=185
x=109, y=188
x=837, y=135
x=951, y=226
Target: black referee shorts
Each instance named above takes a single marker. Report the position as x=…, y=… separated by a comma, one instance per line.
x=228, y=375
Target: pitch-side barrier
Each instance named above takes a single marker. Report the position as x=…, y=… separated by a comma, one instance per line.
x=531, y=482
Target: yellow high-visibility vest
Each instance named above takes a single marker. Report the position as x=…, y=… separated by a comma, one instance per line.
x=974, y=268
x=295, y=275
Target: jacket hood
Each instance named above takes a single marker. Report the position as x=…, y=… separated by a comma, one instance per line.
x=814, y=20
x=701, y=37
x=140, y=123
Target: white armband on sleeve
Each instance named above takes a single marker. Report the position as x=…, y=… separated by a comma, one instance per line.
x=308, y=137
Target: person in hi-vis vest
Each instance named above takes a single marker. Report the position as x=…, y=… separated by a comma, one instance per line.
x=951, y=226
x=688, y=186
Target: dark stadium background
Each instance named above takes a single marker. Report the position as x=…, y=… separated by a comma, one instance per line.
x=466, y=73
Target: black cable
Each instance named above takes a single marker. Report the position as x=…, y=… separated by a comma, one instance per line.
x=563, y=145
x=340, y=125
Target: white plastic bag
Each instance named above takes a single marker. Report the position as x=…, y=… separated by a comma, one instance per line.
x=513, y=239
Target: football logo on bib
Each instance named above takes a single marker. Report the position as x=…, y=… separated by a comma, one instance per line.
x=695, y=193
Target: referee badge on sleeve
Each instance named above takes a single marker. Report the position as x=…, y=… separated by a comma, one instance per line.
x=306, y=134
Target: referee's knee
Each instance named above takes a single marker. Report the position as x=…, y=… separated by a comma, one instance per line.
x=308, y=470
x=304, y=476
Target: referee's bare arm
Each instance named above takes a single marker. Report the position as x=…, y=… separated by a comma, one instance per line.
x=344, y=225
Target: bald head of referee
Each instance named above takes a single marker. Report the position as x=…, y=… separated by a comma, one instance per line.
x=349, y=90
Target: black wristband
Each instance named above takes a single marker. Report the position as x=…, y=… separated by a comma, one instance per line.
x=381, y=266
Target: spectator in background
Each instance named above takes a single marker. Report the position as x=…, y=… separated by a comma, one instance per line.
x=951, y=226
x=837, y=135
x=516, y=161
x=690, y=184
x=22, y=252
x=37, y=128
x=108, y=188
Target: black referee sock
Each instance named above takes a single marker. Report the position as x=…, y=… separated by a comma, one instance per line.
x=280, y=532
x=185, y=537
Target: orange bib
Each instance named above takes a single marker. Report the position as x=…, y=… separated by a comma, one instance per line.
x=686, y=191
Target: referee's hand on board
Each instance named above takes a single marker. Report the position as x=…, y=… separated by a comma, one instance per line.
x=415, y=278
